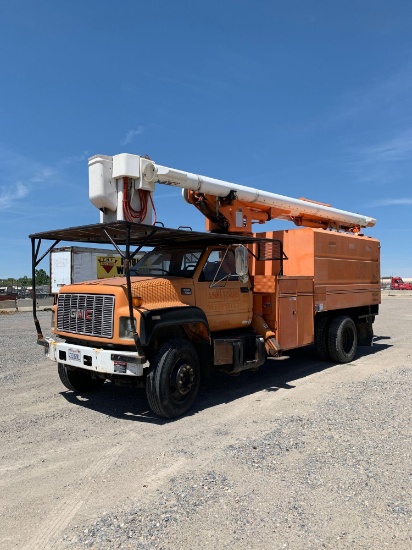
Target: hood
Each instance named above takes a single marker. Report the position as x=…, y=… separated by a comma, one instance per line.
x=113, y=281
x=156, y=292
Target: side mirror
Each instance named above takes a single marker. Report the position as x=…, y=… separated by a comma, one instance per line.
x=241, y=258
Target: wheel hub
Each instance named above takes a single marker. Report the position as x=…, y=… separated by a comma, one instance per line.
x=182, y=380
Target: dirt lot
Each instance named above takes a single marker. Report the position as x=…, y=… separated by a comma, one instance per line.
x=300, y=455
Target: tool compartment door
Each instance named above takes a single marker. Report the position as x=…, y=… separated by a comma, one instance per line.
x=295, y=312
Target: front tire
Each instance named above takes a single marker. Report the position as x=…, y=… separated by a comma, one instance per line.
x=342, y=339
x=174, y=379
x=77, y=380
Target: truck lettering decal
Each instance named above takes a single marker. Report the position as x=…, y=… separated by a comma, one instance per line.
x=222, y=294
x=223, y=306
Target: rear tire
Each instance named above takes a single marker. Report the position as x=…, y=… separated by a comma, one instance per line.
x=77, y=380
x=321, y=338
x=174, y=379
x=342, y=339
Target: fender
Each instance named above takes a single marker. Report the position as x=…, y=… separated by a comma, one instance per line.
x=154, y=319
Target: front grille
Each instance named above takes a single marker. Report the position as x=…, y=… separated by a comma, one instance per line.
x=90, y=314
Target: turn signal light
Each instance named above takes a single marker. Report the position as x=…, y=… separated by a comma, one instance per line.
x=137, y=301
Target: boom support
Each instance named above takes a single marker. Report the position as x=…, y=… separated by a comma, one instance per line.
x=229, y=207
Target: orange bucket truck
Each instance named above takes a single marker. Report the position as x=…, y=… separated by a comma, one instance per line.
x=222, y=299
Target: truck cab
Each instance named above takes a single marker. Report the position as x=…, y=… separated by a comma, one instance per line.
x=175, y=279
x=397, y=283
x=201, y=277
x=190, y=299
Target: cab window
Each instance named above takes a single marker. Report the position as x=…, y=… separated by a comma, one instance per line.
x=219, y=265
x=177, y=262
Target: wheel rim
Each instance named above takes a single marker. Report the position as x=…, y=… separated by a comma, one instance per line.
x=347, y=340
x=182, y=380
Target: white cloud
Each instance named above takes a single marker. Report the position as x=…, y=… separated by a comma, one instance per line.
x=393, y=202
x=75, y=158
x=385, y=162
x=395, y=149
x=390, y=93
x=8, y=195
x=42, y=175
x=131, y=134
x=20, y=175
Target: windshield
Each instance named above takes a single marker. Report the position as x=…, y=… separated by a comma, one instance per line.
x=179, y=262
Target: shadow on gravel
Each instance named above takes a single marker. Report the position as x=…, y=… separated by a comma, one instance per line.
x=129, y=403
x=123, y=402
x=379, y=338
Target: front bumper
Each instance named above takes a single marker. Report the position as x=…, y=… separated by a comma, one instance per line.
x=127, y=363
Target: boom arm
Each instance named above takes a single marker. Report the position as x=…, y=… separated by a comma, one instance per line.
x=229, y=207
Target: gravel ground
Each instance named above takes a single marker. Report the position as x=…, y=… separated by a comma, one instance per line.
x=300, y=455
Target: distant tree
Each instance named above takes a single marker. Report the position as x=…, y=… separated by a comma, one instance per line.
x=24, y=281
x=41, y=277
x=7, y=282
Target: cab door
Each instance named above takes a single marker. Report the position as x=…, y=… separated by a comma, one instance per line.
x=226, y=301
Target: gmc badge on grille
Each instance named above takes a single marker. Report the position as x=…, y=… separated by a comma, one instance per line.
x=86, y=314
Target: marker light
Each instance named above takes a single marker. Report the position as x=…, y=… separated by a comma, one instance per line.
x=137, y=301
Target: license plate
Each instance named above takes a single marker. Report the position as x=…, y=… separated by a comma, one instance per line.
x=74, y=355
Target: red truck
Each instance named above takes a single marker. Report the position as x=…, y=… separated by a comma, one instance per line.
x=398, y=284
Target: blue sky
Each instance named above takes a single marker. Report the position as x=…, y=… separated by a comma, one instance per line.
x=302, y=98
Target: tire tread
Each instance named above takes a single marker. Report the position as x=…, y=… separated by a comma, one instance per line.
x=321, y=338
x=335, y=347
x=78, y=381
x=155, y=380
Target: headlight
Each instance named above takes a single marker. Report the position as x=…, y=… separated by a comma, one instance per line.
x=125, y=330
